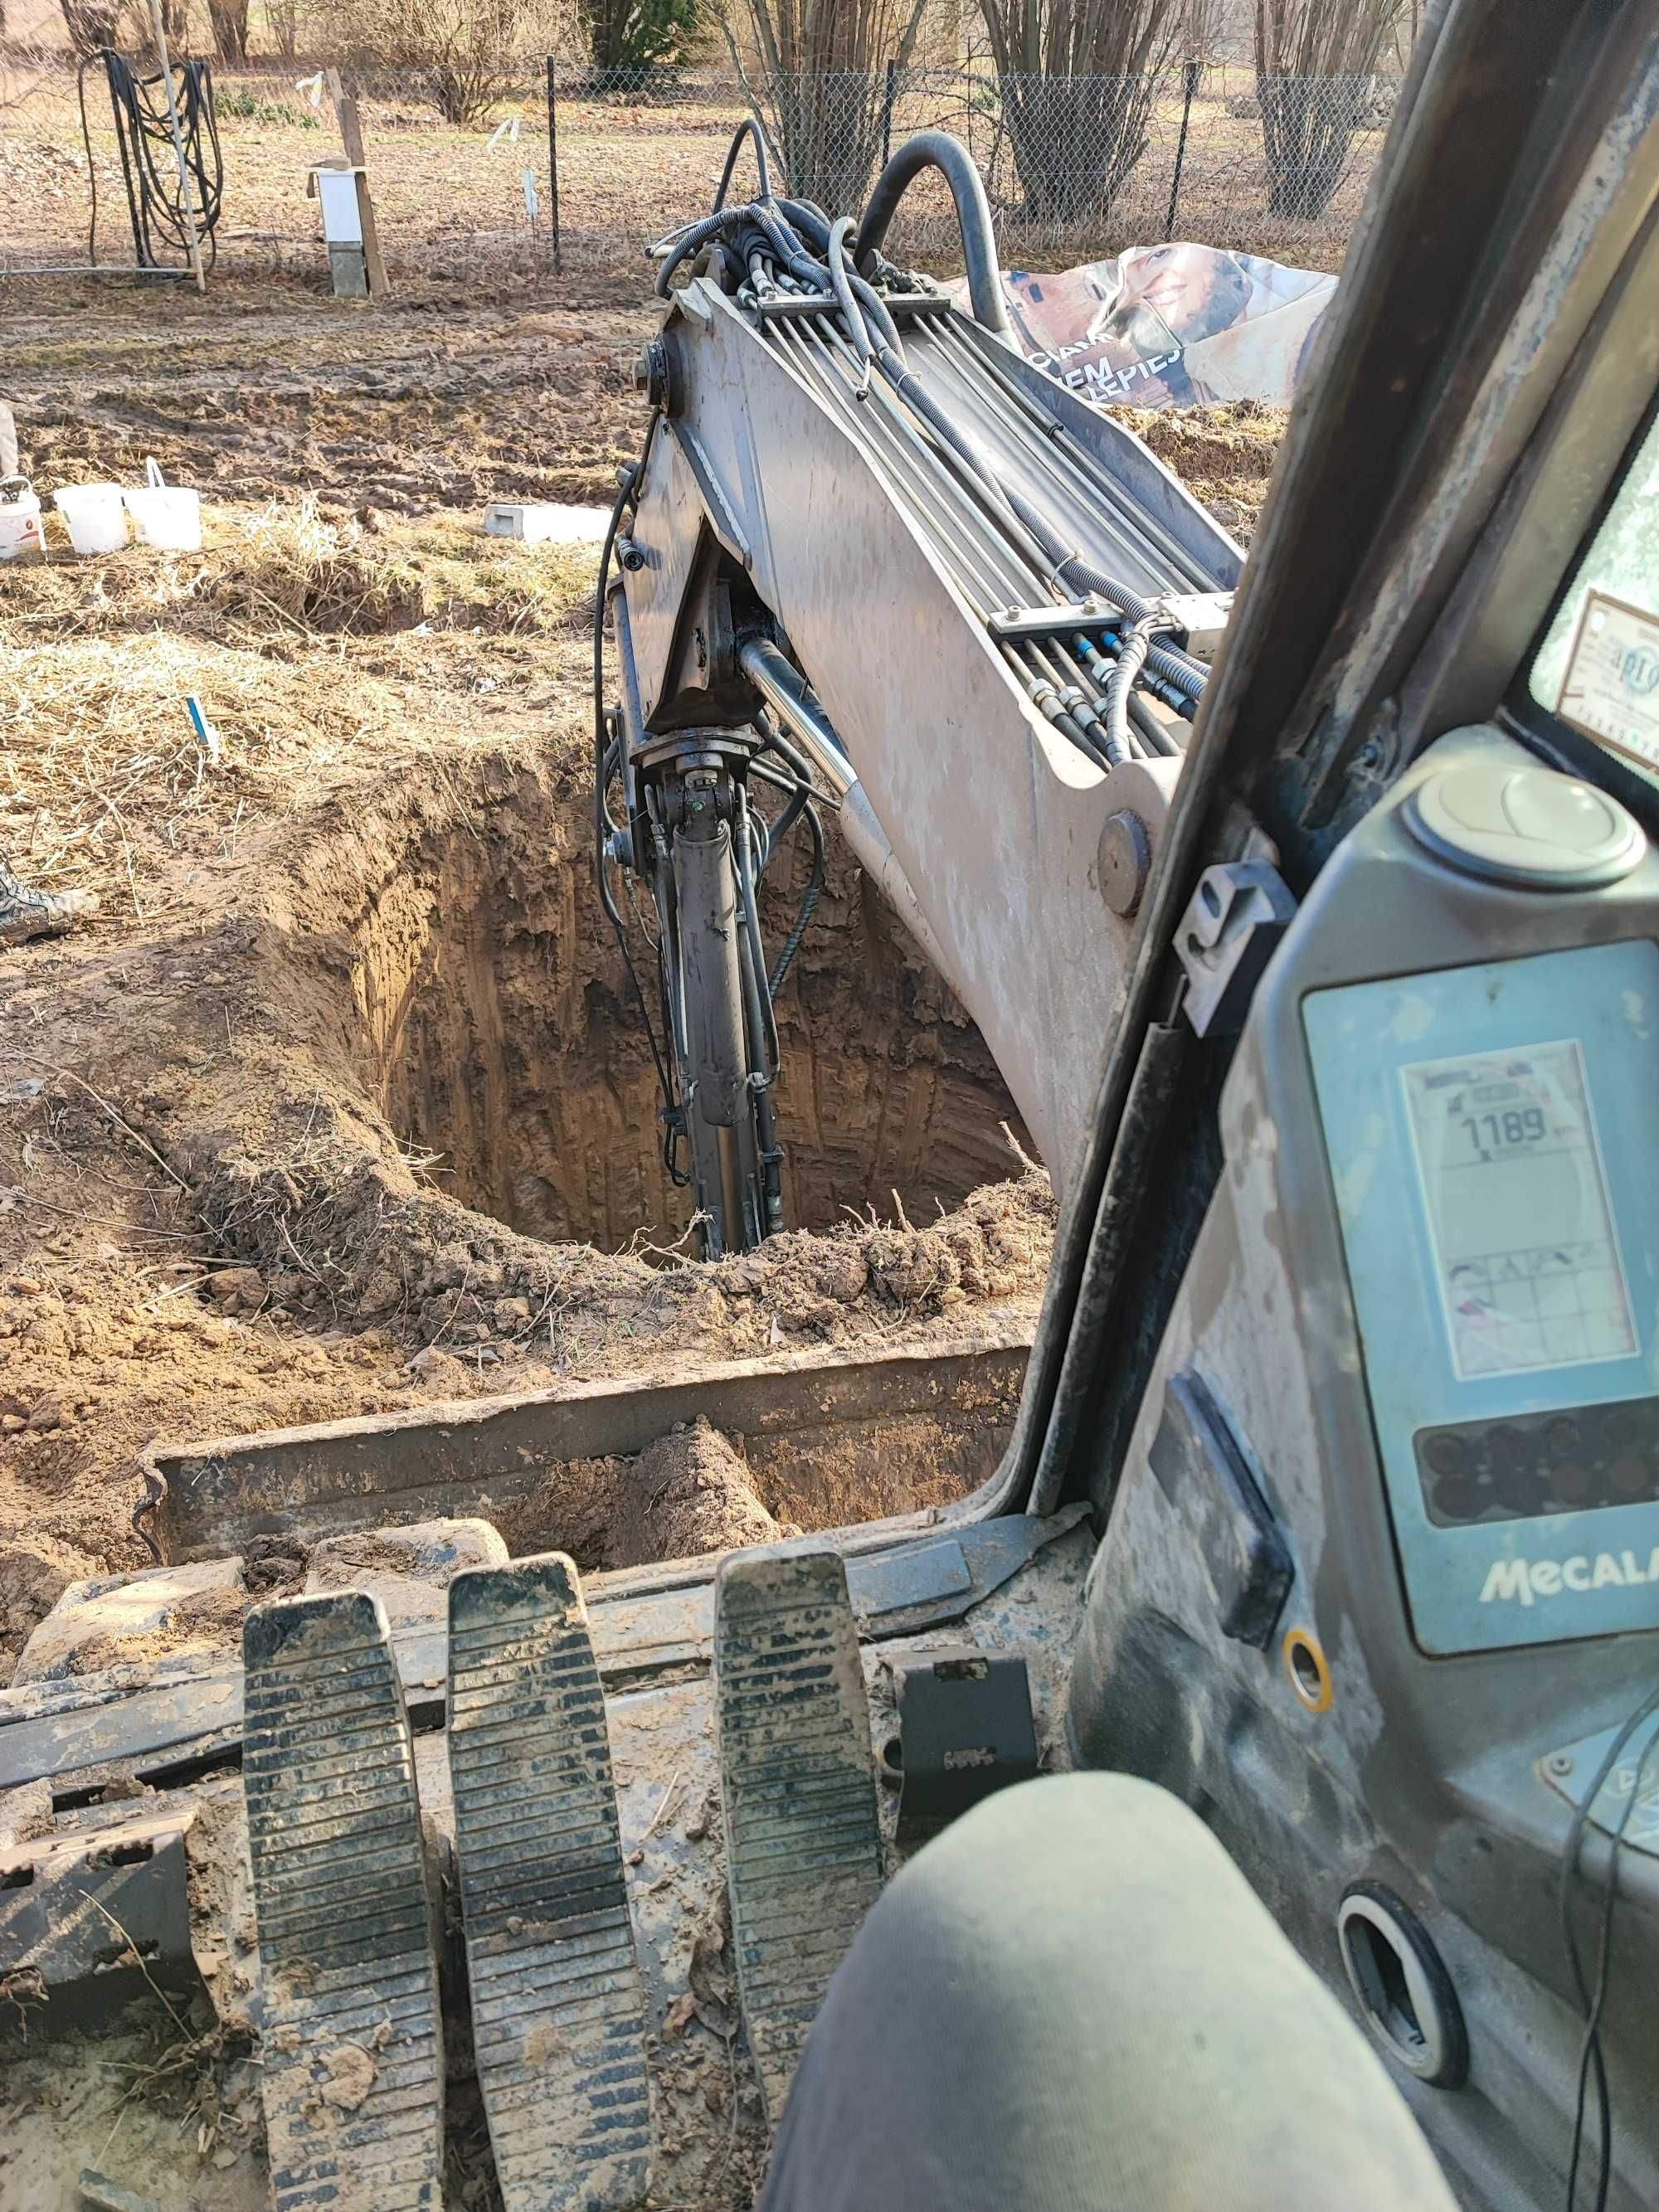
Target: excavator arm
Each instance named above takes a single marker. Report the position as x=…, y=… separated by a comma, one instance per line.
x=972, y=607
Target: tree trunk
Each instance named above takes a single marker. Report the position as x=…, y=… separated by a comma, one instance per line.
x=90, y=23
x=1075, y=140
x=283, y=15
x=229, y=20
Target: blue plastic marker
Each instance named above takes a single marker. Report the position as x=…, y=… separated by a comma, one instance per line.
x=206, y=736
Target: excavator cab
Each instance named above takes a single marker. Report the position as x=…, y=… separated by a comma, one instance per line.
x=1332, y=1500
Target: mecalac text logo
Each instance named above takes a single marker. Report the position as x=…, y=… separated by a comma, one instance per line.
x=1526, y=1581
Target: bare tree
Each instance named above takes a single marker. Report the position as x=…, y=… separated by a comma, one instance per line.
x=229, y=19
x=283, y=22
x=464, y=54
x=1316, y=73
x=1205, y=30
x=1079, y=79
x=91, y=23
x=627, y=36
x=819, y=76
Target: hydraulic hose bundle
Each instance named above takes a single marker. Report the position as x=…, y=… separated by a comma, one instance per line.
x=785, y=245
x=754, y=845
x=149, y=160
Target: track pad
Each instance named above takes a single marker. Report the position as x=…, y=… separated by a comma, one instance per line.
x=558, y=2008
x=802, y=1834
x=352, y=2072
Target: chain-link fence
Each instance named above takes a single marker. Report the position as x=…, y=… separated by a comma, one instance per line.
x=451, y=198
x=549, y=164
x=1086, y=163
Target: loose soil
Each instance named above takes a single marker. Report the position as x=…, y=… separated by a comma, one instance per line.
x=337, y=1104
x=1223, y=455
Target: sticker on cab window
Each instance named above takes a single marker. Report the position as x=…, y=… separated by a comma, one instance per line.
x=1611, y=688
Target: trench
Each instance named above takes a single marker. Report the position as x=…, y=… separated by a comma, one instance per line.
x=499, y=1036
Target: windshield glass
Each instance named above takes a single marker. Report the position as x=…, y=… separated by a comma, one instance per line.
x=1598, y=666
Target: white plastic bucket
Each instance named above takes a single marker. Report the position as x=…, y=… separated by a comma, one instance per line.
x=165, y=515
x=96, y=519
x=20, y=522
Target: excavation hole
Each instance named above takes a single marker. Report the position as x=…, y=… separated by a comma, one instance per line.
x=502, y=1040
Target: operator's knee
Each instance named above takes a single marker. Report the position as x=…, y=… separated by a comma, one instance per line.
x=1072, y=1997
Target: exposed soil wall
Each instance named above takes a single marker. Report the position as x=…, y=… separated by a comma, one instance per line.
x=484, y=977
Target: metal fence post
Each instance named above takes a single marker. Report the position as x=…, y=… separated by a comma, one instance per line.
x=887, y=112
x=1181, y=148
x=553, y=158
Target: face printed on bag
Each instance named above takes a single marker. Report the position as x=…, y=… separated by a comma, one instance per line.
x=1179, y=293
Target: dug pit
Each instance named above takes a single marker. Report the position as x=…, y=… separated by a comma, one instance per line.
x=365, y=1125
x=497, y=1036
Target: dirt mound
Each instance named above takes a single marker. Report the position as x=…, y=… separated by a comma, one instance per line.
x=1223, y=455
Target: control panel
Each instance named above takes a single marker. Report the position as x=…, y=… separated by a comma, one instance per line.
x=1491, y=1134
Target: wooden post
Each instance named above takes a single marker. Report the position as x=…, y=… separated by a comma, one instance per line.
x=351, y=138
x=186, y=203
x=553, y=157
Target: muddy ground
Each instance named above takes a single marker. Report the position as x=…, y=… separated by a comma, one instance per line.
x=335, y=1105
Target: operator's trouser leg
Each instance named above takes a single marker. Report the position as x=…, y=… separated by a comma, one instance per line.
x=1074, y=2002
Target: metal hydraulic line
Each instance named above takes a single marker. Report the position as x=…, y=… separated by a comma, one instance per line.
x=917, y=484
x=966, y=459
x=981, y=532
x=1105, y=500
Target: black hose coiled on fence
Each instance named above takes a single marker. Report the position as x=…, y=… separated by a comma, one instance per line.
x=149, y=167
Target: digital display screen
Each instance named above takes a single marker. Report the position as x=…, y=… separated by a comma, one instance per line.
x=1526, y=1264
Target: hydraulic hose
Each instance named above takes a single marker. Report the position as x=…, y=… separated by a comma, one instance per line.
x=1131, y=659
x=688, y=243
x=760, y=1013
x=1169, y=661
x=937, y=150
x=809, y=905
x=856, y=330
x=748, y=128
x=810, y=219
x=626, y=486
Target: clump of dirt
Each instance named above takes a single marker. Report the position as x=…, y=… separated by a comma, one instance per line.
x=36, y=1568
x=688, y=1493
x=1224, y=455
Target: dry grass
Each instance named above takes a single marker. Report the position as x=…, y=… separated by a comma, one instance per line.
x=305, y=568
x=286, y=629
